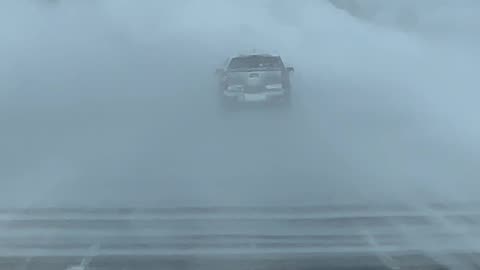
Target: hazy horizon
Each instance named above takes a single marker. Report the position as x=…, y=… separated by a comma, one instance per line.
x=112, y=103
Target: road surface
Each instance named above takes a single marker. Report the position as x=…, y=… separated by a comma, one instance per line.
x=384, y=236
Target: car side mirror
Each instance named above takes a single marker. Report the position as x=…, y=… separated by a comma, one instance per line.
x=290, y=69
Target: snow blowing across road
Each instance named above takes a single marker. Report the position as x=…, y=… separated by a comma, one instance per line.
x=111, y=133
x=269, y=231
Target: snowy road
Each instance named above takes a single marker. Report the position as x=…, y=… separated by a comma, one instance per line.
x=238, y=230
x=385, y=236
x=119, y=112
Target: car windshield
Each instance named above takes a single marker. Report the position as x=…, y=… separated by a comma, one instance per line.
x=256, y=62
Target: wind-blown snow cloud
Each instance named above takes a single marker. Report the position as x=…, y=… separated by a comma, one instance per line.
x=103, y=94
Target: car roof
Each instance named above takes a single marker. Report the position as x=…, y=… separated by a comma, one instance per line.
x=255, y=54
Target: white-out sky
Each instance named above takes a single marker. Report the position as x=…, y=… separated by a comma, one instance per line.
x=113, y=103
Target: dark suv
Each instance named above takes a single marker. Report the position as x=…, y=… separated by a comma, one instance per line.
x=254, y=78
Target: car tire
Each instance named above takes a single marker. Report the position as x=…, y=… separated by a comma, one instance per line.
x=286, y=101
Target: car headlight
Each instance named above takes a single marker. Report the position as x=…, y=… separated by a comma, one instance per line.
x=276, y=86
x=235, y=88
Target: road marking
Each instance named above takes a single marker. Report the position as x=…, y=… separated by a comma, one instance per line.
x=386, y=259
